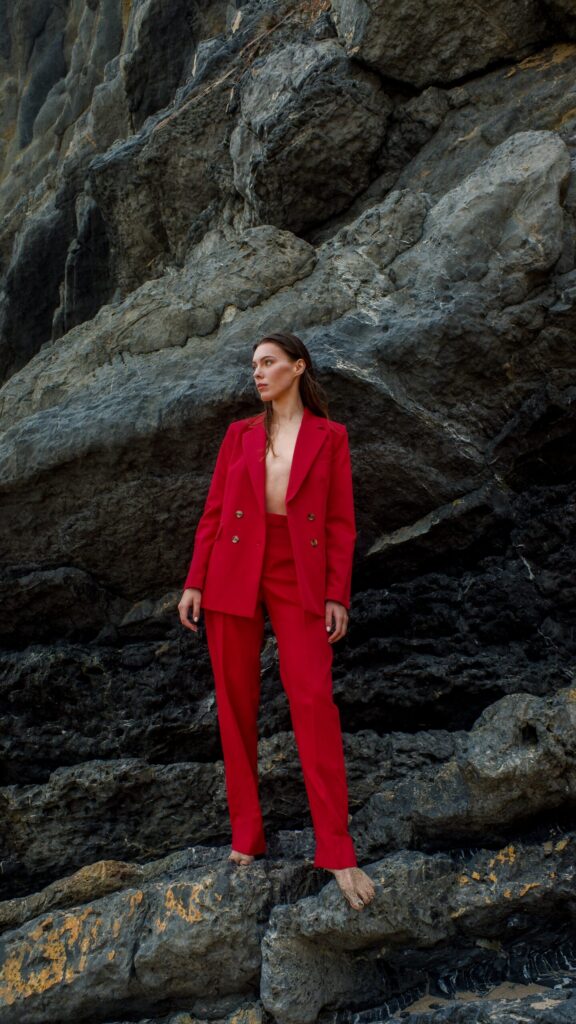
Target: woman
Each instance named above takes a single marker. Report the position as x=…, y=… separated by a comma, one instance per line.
x=278, y=530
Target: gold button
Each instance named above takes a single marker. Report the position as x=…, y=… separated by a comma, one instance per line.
x=239, y=513
x=235, y=539
x=313, y=542
x=311, y=515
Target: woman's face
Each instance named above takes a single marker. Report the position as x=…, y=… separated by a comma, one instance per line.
x=274, y=372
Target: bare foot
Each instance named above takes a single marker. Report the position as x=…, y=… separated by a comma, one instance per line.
x=357, y=886
x=241, y=858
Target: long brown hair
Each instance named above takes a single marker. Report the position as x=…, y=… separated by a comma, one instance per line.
x=311, y=391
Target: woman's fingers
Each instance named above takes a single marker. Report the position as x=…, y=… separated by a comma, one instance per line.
x=189, y=609
x=184, y=619
x=338, y=633
x=337, y=616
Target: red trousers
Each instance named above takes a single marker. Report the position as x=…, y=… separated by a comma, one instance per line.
x=305, y=659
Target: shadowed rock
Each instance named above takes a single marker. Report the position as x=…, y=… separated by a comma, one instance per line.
x=516, y=762
x=156, y=162
x=421, y=903
x=420, y=43
x=140, y=380
x=285, y=163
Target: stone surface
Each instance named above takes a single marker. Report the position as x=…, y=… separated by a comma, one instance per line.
x=198, y=934
x=94, y=808
x=513, y=765
x=311, y=125
x=419, y=905
x=540, y=1007
x=396, y=185
x=154, y=370
x=208, y=930
x=421, y=43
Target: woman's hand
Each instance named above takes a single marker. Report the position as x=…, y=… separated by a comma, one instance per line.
x=337, y=615
x=191, y=599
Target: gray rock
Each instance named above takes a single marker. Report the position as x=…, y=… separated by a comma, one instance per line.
x=440, y=136
x=88, y=809
x=202, y=931
x=120, y=952
x=311, y=123
x=419, y=43
x=436, y=424
x=419, y=905
x=156, y=162
x=541, y=1008
x=516, y=762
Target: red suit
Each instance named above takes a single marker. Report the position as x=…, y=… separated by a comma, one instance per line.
x=246, y=558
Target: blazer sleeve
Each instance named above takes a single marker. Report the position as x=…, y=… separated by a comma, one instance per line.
x=340, y=523
x=210, y=518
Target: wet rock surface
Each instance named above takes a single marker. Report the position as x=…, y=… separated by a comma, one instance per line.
x=394, y=183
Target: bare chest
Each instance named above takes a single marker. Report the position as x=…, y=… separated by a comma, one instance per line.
x=278, y=468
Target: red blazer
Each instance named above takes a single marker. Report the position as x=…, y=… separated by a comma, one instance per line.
x=231, y=534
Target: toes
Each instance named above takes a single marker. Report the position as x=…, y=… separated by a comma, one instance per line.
x=241, y=861
x=360, y=898
x=357, y=904
x=354, y=900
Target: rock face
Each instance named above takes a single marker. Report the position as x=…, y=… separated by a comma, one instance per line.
x=395, y=183
x=420, y=43
x=290, y=165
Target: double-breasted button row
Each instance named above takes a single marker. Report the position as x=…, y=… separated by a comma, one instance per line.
x=238, y=513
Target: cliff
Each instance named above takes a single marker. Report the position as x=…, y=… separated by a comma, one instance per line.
x=395, y=183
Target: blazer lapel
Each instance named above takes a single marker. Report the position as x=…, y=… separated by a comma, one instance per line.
x=311, y=436
x=253, y=444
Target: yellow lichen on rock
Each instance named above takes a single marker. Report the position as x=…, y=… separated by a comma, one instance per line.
x=505, y=856
x=54, y=945
x=174, y=905
x=135, y=899
x=529, y=885
x=246, y=1015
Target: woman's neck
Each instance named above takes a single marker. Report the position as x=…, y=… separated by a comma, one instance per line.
x=287, y=413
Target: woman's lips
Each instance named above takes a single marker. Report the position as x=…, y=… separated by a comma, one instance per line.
x=260, y=386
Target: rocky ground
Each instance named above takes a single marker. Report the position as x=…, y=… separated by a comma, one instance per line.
x=395, y=183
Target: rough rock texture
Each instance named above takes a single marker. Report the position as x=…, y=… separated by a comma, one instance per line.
x=313, y=954
x=418, y=42
x=311, y=125
x=395, y=183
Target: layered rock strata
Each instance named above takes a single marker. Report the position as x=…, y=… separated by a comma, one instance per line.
x=394, y=183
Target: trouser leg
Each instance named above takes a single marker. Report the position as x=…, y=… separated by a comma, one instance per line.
x=305, y=658
x=234, y=644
